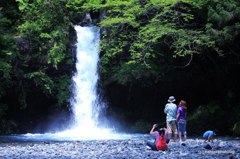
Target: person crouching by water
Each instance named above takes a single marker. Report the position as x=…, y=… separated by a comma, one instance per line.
x=181, y=119
x=209, y=135
x=171, y=113
x=160, y=140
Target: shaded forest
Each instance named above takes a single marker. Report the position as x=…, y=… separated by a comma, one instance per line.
x=149, y=50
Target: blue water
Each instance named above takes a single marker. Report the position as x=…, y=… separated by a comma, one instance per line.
x=52, y=137
x=49, y=137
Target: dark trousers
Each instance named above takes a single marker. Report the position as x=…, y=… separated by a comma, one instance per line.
x=152, y=145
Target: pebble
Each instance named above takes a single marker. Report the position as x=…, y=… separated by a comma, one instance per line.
x=118, y=149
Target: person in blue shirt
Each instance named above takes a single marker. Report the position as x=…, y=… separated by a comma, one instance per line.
x=208, y=135
x=171, y=113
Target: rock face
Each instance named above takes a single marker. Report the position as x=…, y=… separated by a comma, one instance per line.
x=88, y=18
x=22, y=43
x=118, y=149
x=236, y=129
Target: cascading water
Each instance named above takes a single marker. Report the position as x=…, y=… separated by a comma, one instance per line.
x=85, y=104
x=85, y=101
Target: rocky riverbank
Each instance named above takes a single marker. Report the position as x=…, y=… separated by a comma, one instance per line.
x=119, y=149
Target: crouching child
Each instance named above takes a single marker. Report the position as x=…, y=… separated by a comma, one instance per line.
x=209, y=135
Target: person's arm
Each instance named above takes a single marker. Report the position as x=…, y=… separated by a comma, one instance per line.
x=152, y=130
x=178, y=114
x=165, y=133
x=165, y=109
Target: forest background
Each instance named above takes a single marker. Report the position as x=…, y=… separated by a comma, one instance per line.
x=149, y=50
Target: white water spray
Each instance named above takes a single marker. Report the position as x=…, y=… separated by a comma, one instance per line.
x=85, y=103
x=85, y=79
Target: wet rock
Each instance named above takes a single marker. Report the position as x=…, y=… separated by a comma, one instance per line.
x=183, y=144
x=208, y=147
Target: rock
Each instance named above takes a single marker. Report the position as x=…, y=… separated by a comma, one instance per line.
x=236, y=129
x=208, y=147
x=183, y=144
x=218, y=147
x=45, y=142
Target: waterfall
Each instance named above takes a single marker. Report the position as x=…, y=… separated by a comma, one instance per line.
x=85, y=104
x=87, y=124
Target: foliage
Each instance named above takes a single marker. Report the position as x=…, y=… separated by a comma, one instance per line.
x=148, y=33
x=156, y=25
x=47, y=31
x=34, y=41
x=41, y=78
x=62, y=89
x=7, y=51
x=204, y=112
x=141, y=127
x=236, y=129
x=214, y=115
x=47, y=34
x=223, y=22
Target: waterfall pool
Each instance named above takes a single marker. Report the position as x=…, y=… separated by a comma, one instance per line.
x=55, y=137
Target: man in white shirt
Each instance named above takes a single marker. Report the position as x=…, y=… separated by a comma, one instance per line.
x=171, y=112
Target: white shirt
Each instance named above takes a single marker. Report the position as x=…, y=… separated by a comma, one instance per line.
x=171, y=111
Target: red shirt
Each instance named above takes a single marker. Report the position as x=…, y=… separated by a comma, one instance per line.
x=161, y=143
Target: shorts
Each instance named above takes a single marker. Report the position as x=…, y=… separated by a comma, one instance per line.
x=182, y=127
x=171, y=126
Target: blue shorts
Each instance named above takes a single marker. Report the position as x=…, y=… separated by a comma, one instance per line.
x=182, y=127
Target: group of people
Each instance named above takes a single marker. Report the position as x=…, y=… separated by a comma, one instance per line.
x=176, y=118
x=176, y=124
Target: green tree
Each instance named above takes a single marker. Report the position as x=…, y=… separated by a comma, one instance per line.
x=145, y=39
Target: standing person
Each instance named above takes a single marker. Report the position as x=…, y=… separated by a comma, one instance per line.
x=181, y=119
x=160, y=140
x=171, y=111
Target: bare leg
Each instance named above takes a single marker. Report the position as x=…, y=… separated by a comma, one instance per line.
x=185, y=135
x=180, y=136
x=169, y=136
x=175, y=137
x=209, y=138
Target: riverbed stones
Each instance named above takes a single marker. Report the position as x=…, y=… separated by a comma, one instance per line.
x=118, y=149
